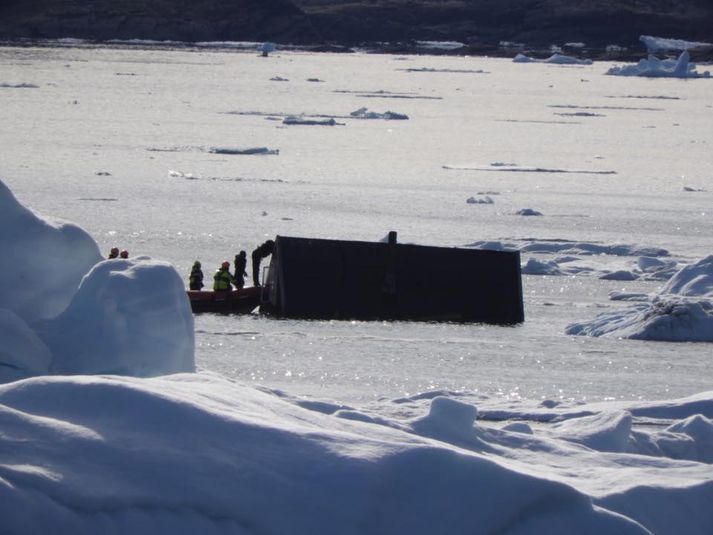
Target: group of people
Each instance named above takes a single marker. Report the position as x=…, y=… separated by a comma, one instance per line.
x=224, y=280
x=114, y=253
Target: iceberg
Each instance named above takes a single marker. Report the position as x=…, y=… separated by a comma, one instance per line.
x=661, y=68
x=85, y=315
x=682, y=311
x=29, y=289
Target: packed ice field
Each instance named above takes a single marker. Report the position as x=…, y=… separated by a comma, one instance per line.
x=593, y=416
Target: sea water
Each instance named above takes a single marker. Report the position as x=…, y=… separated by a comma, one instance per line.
x=121, y=141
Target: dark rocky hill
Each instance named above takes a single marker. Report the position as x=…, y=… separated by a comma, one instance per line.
x=480, y=24
x=535, y=22
x=176, y=20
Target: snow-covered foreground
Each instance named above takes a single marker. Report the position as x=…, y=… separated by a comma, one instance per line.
x=436, y=428
x=197, y=453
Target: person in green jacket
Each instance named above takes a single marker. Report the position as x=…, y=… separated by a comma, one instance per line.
x=223, y=280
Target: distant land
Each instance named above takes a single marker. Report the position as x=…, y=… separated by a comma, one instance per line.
x=482, y=26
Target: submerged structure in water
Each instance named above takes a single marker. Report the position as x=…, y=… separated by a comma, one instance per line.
x=335, y=279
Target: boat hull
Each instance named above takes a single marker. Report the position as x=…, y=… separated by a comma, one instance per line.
x=242, y=301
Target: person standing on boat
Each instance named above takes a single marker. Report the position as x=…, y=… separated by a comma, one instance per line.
x=195, y=279
x=240, y=263
x=222, y=280
x=263, y=251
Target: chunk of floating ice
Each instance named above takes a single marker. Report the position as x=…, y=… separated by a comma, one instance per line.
x=620, y=275
x=514, y=168
x=431, y=69
x=294, y=119
x=181, y=174
x=480, y=200
x=695, y=280
x=682, y=311
x=571, y=247
x=440, y=45
x=528, y=212
x=660, y=44
x=250, y=150
x=364, y=113
x=19, y=86
x=657, y=68
x=556, y=59
x=537, y=267
x=628, y=296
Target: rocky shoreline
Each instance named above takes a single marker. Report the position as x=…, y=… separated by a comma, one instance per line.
x=592, y=29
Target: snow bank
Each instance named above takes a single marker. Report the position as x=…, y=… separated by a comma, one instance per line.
x=556, y=59
x=199, y=454
x=42, y=260
x=74, y=313
x=682, y=311
x=661, y=68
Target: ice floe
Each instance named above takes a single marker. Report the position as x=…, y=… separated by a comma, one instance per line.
x=661, y=44
x=681, y=311
x=247, y=151
x=515, y=168
x=571, y=248
x=555, y=59
x=620, y=275
x=18, y=86
x=528, y=212
x=432, y=69
x=661, y=68
x=440, y=45
x=484, y=199
x=381, y=93
x=539, y=267
x=244, y=151
x=364, y=113
x=605, y=261
x=300, y=120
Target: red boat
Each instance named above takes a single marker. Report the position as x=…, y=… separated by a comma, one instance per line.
x=241, y=301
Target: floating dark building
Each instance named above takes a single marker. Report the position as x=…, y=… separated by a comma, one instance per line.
x=334, y=279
